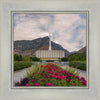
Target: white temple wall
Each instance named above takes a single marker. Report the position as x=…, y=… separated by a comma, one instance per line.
x=50, y=53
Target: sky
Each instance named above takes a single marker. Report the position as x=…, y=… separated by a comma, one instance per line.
x=68, y=30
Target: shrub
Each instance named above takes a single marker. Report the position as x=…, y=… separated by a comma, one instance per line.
x=77, y=57
x=78, y=64
x=64, y=59
x=21, y=64
x=26, y=58
x=52, y=75
x=35, y=59
x=18, y=57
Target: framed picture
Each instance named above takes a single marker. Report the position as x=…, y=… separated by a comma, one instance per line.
x=49, y=50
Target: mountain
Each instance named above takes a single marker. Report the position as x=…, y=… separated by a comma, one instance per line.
x=29, y=47
x=82, y=50
x=73, y=52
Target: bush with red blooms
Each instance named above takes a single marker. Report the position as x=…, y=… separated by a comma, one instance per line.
x=53, y=75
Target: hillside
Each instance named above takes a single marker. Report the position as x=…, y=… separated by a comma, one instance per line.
x=82, y=50
x=29, y=47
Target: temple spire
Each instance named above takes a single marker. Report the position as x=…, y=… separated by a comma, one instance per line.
x=49, y=41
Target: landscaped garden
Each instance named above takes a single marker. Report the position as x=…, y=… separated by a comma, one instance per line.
x=51, y=75
x=77, y=60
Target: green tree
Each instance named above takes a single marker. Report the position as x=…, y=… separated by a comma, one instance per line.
x=26, y=58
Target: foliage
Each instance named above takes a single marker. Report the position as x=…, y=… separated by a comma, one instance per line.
x=72, y=70
x=64, y=59
x=21, y=64
x=26, y=58
x=53, y=75
x=35, y=59
x=78, y=64
x=77, y=57
x=18, y=57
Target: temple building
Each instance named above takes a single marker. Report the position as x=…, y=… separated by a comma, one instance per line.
x=50, y=55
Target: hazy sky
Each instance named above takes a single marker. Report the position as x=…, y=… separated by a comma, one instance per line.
x=68, y=30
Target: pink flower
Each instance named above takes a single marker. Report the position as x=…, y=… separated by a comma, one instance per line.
x=84, y=83
x=59, y=77
x=56, y=73
x=64, y=71
x=54, y=69
x=42, y=80
x=32, y=80
x=51, y=72
x=82, y=78
x=27, y=85
x=70, y=75
x=52, y=76
x=72, y=83
x=77, y=77
x=38, y=73
x=67, y=74
x=63, y=77
x=67, y=80
x=37, y=84
x=44, y=76
x=49, y=84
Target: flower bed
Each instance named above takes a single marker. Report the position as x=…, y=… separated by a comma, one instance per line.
x=53, y=75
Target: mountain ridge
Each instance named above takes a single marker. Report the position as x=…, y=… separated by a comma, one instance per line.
x=29, y=47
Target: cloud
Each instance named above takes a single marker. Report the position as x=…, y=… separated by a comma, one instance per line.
x=69, y=30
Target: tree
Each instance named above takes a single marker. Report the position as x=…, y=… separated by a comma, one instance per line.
x=26, y=58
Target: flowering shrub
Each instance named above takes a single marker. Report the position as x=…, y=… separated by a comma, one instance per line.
x=53, y=75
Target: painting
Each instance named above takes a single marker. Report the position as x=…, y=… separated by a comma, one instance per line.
x=50, y=49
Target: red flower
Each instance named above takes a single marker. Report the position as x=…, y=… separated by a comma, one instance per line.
x=67, y=80
x=32, y=80
x=56, y=73
x=82, y=78
x=52, y=76
x=67, y=74
x=70, y=75
x=41, y=66
x=72, y=83
x=50, y=72
x=59, y=77
x=42, y=80
x=47, y=66
x=84, y=83
x=27, y=85
x=45, y=77
x=49, y=84
x=77, y=77
x=64, y=71
x=63, y=76
x=37, y=84
x=54, y=69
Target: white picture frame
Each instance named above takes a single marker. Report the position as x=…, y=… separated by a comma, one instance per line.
x=8, y=93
